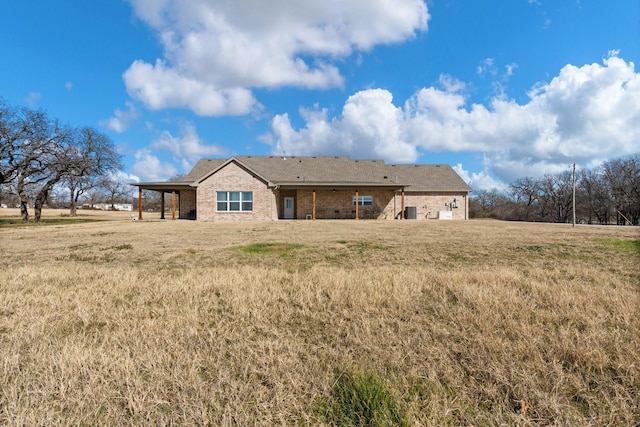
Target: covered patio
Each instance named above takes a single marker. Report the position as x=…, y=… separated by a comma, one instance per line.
x=174, y=188
x=338, y=200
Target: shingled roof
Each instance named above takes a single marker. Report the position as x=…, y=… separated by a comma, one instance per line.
x=330, y=170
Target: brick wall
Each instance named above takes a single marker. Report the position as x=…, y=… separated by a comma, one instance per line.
x=187, y=204
x=267, y=204
x=428, y=204
x=386, y=205
x=339, y=204
x=234, y=178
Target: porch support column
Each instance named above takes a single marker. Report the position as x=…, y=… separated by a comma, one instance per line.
x=313, y=205
x=357, y=205
x=402, y=204
x=173, y=205
x=162, y=205
x=466, y=206
x=139, y=203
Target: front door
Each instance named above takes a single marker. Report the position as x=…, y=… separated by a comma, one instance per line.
x=288, y=208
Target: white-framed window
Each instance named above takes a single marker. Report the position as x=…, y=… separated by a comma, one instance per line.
x=363, y=200
x=234, y=201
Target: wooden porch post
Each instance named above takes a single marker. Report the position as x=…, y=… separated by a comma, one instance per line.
x=162, y=205
x=313, y=205
x=402, y=204
x=357, y=205
x=139, y=203
x=173, y=205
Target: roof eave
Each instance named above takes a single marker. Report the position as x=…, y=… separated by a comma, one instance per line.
x=163, y=186
x=324, y=184
x=231, y=160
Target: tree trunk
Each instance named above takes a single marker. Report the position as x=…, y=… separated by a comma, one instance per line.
x=24, y=199
x=24, y=211
x=40, y=200
x=73, y=205
x=37, y=211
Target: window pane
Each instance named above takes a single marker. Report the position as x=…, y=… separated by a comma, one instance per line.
x=234, y=206
x=247, y=196
x=247, y=206
x=222, y=206
x=234, y=196
x=222, y=196
x=363, y=200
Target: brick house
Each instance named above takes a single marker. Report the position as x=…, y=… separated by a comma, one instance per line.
x=262, y=188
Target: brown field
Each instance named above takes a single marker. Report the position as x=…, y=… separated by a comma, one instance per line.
x=318, y=323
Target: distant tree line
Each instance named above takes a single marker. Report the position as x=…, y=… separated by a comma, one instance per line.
x=41, y=157
x=607, y=194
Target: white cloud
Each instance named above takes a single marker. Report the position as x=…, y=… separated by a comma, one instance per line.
x=159, y=87
x=68, y=85
x=215, y=52
x=188, y=148
x=486, y=67
x=582, y=115
x=368, y=128
x=122, y=176
x=121, y=120
x=479, y=180
x=33, y=99
x=150, y=169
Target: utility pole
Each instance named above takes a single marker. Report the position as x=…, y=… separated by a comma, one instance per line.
x=574, y=194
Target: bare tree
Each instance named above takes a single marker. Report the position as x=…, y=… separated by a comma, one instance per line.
x=96, y=156
x=596, y=195
x=489, y=204
x=556, y=199
x=115, y=190
x=526, y=193
x=623, y=179
x=36, y=159
x=37, y=153
x=11, y=134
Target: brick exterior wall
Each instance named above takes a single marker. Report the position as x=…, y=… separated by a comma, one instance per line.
x=268, y=204
x=339, y=204
x=234, y=178
x=429, y=204
x=386, y=205
x=187, y=204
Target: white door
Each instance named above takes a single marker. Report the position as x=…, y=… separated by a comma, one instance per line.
x=288, y=208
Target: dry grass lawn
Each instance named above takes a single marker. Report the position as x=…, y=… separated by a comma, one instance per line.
x=318, y=323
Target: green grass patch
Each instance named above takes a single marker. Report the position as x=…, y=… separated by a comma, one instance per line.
x=361, y=399
x=624, y=245
x=269, y=248
x=122, y=247
x=533, y=248
x=17, y=222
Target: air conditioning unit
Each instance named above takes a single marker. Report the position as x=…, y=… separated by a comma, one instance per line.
x=445, y=215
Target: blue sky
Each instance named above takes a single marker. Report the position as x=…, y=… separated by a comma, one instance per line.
x=499, y=89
